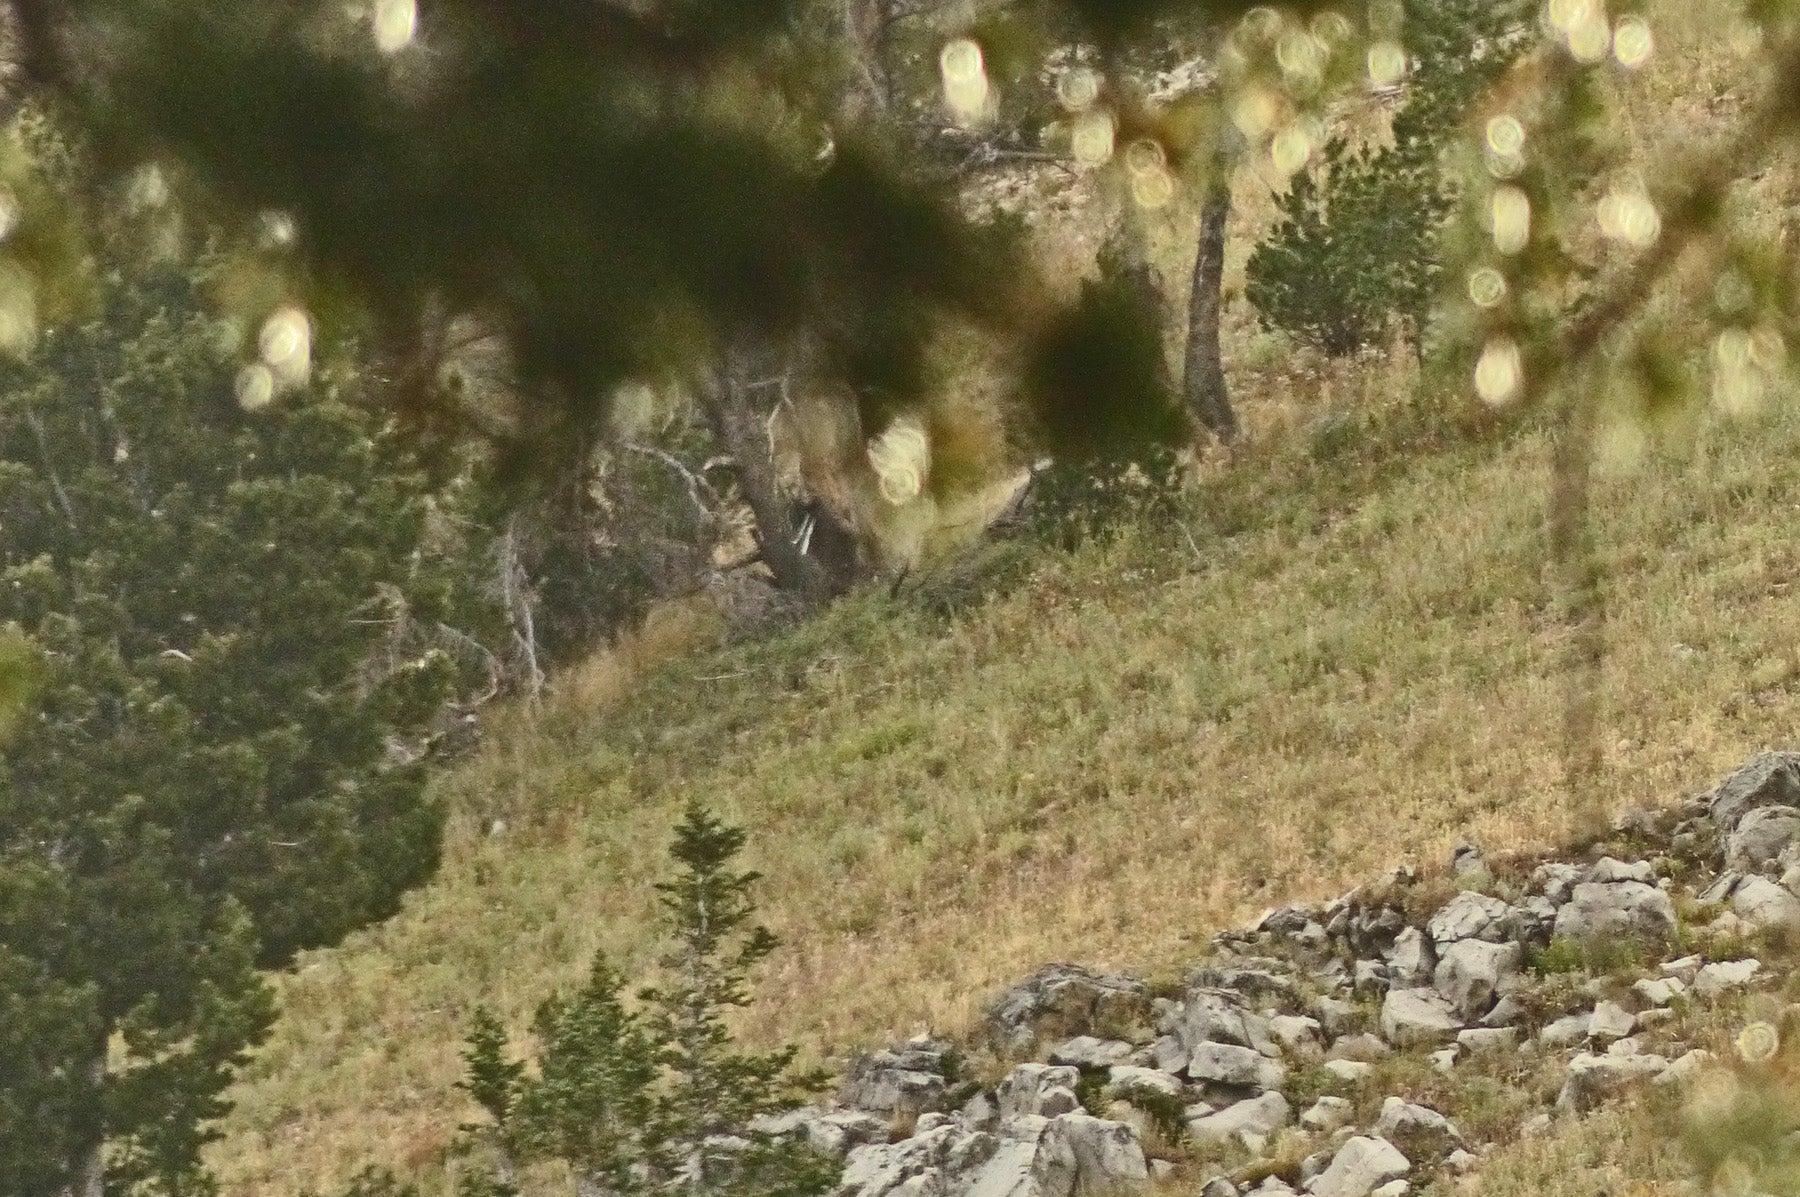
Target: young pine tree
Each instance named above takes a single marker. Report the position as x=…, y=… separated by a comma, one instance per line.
x=654, y=1098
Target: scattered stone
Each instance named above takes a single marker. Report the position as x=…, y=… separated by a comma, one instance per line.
x=1767, y=779
x=1720, y=889
x=1765, y=905
x=980, y=1112
x=1461, y=1162
x=1349, y=1071
x=1393, y=1188
x=1411, y=959
x=1213, y=1016
x=1228, y=1064
x=1085, y=1051
x=1761, y=836
x=1327, y=1114
x=1360, y=1047
x=1360, y=1166
x=1218, y=1186
x=1107, y=1155
x=898, y=1084
x=1127, y=1080
x=1162, y=1169
x=1591, y=1078
x=1683, y=970
x=1421, y=1133
x=1168, y=1054
x=1616, y=910
x=1295, y=1032
x=1508, y=1011
x=1687, y=1067
x=930, y=1122
x=1469, y=866
x=1556, y=881
x=1535, y=1127
x=1469, y=915
x=1724, y=976
x=1659, y=991
x=1248, y=1122
x=834, y=1134
x=1060, y=1000
x=1607, y=871
x=1416, y=1017
x=1371, y=977
x=1610, y=1021
x=1043, y=1090
x=1444, y=1059
x=1471, y=973
x=1566, y=1031
x=1481, y=1041
x=1654, y=1017
x=1334, y=1015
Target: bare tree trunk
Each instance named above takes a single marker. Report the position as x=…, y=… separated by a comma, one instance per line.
x=1208, y=396
x=728, y=407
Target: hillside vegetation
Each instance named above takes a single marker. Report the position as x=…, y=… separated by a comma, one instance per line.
x=1126, y=749
x=1339, y=658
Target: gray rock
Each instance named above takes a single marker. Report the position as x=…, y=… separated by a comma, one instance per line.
x=1687, y=1067
x=1108, y=1156
x=1420, y=1132
x=930, y=1122
x=1721, y=887
x=1228, y=1064
x=1761, y=836
x=1461, y=1162
x=1659, y=991
x=1765, y=905
x=1327, y=1114
x=1415, y=1017
x=1216, y=1016
x=1061, y=1000
x=1508, y=1011
x=1723, y=976
x=1767, y=779
x=1593, y=1078
x=1334, y=1015
x=1360, y=1166
x=981, y=1112
x=1556, y=881
x=1411, y=960
x=1085, y=1051
x=1481, y=1041
x=1042, y=1090
x=1469, y=915
x=1294, y=1032
x=1468, y=865
x=1532, y=919
x=1607, y=870
x=1566, y=1031
x=1617, y=910
x=898, y=1084
x=1371, y=977
x=1360, y=1047
x=1444, y=1059
x=1348, y=1071
x=1218, y=1186
x=1248, y=1122
x=834, y=1134
x=1535, y=1127
x=1610, y=1021
x=1393, y=1188
x=1683, y=970
x=1126, y=1080
x=1472, y=973
x=1168, y=1054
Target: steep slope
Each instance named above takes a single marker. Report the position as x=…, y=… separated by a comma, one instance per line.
x=1134, y=746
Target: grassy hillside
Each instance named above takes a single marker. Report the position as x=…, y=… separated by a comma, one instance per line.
x=1327, y=667
x=1131, y=748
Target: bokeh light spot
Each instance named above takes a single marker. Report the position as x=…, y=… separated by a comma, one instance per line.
x=1633, y=43
x=1499, y=374
x=1487, y=287
x=396, y=22
x=1509, y=219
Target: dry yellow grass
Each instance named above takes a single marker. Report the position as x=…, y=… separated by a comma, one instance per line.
x=1129, y=749
x=1120, y=756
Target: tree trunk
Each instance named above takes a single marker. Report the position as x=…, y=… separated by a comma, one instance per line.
x=781, y=529
x=90, y=1169
x=1208, y=396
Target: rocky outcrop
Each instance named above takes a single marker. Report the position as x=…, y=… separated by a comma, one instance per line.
x=1329, y=994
